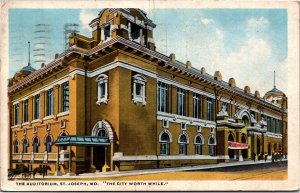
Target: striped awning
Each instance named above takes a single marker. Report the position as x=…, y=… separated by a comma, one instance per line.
x=237, y=145
x=74, y=140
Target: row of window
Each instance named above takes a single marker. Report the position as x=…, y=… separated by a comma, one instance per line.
x=273, y=125
x=163, y=96
x=35, y=144
x=49, y=105
x=183, y=142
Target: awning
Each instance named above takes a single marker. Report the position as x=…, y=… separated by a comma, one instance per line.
x=236, y=145
x=75, y=140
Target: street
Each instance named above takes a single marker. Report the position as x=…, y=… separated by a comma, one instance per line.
x=272, y=171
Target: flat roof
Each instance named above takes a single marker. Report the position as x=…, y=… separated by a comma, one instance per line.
x=75, y=140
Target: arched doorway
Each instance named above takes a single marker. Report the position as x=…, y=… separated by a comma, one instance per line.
x=244, y=151
x=269, y=149
x=164, y=144
x=258, y=147
x=64, y=147
x=230, y=151
x=100, y=153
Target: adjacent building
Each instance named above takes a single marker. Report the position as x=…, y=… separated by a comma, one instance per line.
x=112, y=102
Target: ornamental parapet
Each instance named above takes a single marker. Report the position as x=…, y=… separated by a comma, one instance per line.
x=256, y=129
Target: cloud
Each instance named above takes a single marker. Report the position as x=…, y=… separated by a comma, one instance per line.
x=85, y=17
x=206, y=21
x=219, y=33
x=257, y=22
x=255, y=51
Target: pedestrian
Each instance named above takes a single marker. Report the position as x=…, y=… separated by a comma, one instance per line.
x=253, y=156
x=266, y=156
x=273, y=158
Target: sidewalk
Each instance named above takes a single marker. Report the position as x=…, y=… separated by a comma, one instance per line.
x=161, y=170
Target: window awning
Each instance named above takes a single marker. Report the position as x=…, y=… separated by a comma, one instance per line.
x=75, y=140
x=236, y=145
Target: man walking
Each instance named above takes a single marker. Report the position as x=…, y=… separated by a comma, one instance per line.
x=253, y=156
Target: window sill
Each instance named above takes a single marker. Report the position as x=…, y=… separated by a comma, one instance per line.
x=63, y=114
x=36, y=121
x=15, y=126
x=48, y=117
x=139, y=100
x=105, y=101
x=26, y=123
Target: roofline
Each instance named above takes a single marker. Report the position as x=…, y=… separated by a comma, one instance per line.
x=141, y=48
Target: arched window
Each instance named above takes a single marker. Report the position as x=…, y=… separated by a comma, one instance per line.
x=182, y=144
x=48, y=143
x=212, y=146
x=102, y=89
x=25, y=145
x=164, y=144
x=64, y=147
x=198, y=144
x=35, y=145
x=101, y=133
x=139, y=89
x=16, y=146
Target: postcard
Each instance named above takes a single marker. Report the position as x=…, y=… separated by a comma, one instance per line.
x=149, y=96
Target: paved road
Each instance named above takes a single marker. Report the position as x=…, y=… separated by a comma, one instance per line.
x=262, y=172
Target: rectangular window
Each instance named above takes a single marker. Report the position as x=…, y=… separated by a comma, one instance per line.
x=181, y=101
x=210, y=109
x=274, y=125
x=279, y=127
x=49, y=109
x=196, y=105
x=212, y=150
x=162, y=97
x=225, y=107
x=16, y=109
x=198, y=149
x=65, y=97
x=37, y=106
x=268, y=124
x=25, y=111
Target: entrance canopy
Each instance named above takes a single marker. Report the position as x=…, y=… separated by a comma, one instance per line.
x=75, y=140
x=236, y=145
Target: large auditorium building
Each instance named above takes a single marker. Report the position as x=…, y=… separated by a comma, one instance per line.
x=112, y=102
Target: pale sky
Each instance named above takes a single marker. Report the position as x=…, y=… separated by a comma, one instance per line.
x=247, y=44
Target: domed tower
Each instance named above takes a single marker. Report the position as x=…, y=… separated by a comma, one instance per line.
x=276, y=96
x=131, y=24
x=25, y=71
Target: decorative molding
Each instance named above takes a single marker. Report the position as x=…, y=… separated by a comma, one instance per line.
x=273, y=135
x=48, y=117
x=185, y=87
x=36, y=121
x=189, y=120
x=63, y=114
x=26, y=123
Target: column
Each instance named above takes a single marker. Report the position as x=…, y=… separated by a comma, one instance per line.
x=250, y=146
x=141, y=37
x=129, y=31
x=56, y=99
x=102, y=36
x=111, y=156
x=42, y=104
x=30, y=108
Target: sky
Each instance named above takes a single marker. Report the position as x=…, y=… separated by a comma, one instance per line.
x=247, y=44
